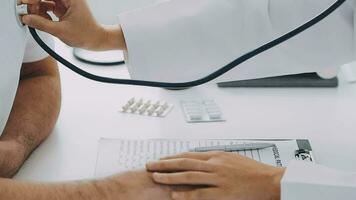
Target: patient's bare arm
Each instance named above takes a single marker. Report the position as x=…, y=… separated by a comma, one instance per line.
x=132, y=185
x=33, y=115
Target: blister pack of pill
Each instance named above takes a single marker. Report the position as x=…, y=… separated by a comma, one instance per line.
x=202, y=111
x=147, y=107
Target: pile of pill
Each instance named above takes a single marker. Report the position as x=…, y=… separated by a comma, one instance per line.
x=147, y=107
x=202, y=111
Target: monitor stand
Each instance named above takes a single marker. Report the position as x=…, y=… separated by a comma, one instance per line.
x=306, y=80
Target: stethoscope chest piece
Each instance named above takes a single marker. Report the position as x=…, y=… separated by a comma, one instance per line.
x=21, y=9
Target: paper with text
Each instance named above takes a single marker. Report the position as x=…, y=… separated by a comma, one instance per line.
x=115, y=155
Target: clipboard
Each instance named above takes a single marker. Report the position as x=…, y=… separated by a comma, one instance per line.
x=305, y=151
x=119, y=155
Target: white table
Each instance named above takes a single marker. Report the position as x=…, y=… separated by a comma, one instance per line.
x=90, y=111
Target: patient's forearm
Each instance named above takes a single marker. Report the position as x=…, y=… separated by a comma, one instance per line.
x=90, y=190
x=33, y=115
x=127, y=186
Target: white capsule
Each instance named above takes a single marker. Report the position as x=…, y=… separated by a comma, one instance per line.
x=157, y=104
x=125, y=108
x=151, y=110
x=131, y=101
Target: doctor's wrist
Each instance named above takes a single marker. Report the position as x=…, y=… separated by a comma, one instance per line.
x=110, y=38
x=277, y=176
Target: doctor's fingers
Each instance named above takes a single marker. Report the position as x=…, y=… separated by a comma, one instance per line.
x=40, y=8
x=187, y=178
x=198, y=194
x=42, y=23
x=33, y=2
x=59, y=7
x=180, y=164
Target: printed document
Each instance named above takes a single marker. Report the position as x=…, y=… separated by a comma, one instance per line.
x=116, y=155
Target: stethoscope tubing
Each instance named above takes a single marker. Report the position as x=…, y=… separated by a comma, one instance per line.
x=194, y=83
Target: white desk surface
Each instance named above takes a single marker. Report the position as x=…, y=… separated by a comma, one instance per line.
x=90, y=111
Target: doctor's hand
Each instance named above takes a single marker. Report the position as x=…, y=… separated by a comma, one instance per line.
x=76, y=25
x=218, y=176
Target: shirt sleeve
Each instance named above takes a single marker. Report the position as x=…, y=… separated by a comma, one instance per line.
x=182, y=40
x=33, y=51
x=308, y=181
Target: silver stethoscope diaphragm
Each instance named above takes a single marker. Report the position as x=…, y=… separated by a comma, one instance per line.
x=22, y=9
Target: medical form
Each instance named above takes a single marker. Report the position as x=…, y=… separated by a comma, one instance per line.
x=118, y=155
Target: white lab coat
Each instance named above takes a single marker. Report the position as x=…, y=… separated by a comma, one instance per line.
x=182, y=40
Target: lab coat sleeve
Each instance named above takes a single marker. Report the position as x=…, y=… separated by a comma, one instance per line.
x=308, y=181
x=182, y=40
x=327, y=45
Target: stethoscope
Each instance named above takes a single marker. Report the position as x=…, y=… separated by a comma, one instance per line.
x=198, y=82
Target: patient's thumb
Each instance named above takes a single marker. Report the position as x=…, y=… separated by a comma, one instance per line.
x=41, y=23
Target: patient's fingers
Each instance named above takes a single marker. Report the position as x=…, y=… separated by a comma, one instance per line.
x=193, y=155
x=181, y=164
x=186, y=178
